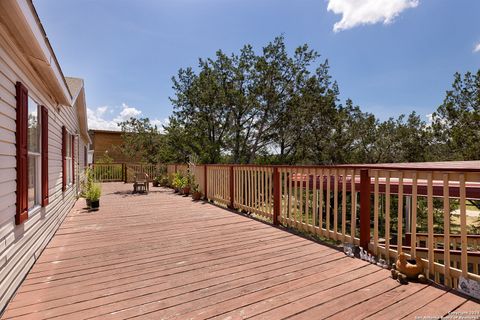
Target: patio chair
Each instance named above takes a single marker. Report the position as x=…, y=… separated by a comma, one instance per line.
x=141, y=183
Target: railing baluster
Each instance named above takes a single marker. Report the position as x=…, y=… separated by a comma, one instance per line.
x=327, y=204
x=320, y=201
x=431, y=255
x=301, y=192
x=413, y=242
x=335, y=204
x=344, y=204
x=376, y=204
x=463, y=227
x=400, y=214
x=315, y=198
x=295, y=192
x=307, y=199
x=264, y=188
x=284, y=193
x=353, y=200
x=387, y=216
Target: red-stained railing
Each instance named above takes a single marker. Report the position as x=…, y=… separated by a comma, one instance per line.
x=419, y=209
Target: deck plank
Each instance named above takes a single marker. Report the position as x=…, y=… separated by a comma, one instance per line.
x=163, y=256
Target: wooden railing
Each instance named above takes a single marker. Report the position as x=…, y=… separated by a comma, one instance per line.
x=253, y=190
x=111, y=172
x=152, y=170
x=360, y=204
x=448, y=255
x=108, y=172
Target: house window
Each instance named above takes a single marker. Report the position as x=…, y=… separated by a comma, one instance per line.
x=34, y=154
x=68, y=158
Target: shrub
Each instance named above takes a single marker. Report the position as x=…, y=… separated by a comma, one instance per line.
x=94, y=192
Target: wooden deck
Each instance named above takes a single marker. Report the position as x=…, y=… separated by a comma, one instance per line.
x=162, y=256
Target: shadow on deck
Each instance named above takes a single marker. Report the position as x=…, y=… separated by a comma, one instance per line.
x=161, y=256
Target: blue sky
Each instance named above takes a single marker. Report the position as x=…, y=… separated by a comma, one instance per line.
x=389, y=56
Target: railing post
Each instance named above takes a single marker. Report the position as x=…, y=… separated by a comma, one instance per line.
x=276, y=195
x=175, y=168
x=364, y=209
x=124, y=173
x=232, y=188
x=205, y=181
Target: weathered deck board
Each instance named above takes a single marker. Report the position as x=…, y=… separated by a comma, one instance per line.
x=161, y=256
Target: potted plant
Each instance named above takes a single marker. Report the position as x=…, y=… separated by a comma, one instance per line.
x=164, y=182
x=196, y=194
x=156, y=181
x=86, y=184
x=177, y=182
x=93, y=195
x=185, y=185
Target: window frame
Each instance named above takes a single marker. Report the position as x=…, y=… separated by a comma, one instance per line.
x=37, y=155
x=68, y=159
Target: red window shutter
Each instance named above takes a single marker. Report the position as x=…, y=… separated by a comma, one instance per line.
x=22, y=153
x=73, y=159
x=44, y=122
x=64, y=158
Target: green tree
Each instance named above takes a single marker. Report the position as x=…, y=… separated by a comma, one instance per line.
x=141, y=140
x=456, y=122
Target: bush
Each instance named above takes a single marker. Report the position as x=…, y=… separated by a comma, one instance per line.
x=164, y=182
x=86, y=182
x=94, y=192
x=177, y=181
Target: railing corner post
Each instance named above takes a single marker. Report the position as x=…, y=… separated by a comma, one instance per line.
x=276, y=195
x=364, y=208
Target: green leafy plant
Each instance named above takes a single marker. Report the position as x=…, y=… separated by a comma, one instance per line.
x=177, y=181
x=86, y=182
x=94, y=192
x=195, y=187
x=184, y=182
x=164, y=181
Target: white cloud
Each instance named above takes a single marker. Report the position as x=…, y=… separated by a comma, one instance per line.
x=360, y=12
x=127, y=113
x=96, y=119
x=429, y=119
x=477, y=47
x=106, y=117
x=160, y=123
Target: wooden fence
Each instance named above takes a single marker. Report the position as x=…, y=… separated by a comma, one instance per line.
x=111, y=172
x=387, y=210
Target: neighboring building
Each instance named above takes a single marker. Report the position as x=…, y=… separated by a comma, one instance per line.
x=44, y=139
x=106, y=144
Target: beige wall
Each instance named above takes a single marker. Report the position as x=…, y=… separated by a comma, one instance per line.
x=21, y=245
x=108, y=141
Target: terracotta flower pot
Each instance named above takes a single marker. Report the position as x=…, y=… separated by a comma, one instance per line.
x=196, y=195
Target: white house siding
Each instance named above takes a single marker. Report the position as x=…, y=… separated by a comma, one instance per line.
x=21, y=245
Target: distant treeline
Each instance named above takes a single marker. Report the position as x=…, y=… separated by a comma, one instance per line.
x=275, y=107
